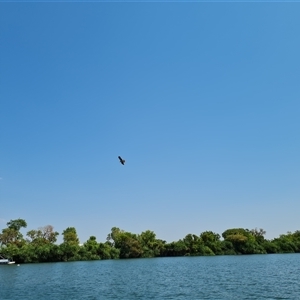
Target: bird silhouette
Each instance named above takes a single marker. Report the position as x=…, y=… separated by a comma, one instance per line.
x=122, y=161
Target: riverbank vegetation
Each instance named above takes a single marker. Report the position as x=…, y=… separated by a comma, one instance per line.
x=40, y=245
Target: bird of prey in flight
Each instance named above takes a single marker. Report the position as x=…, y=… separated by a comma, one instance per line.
x=122, y=161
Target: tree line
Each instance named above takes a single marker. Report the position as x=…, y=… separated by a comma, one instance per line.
x=40, y=245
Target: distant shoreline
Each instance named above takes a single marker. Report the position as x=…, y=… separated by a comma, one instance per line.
x=40, y=245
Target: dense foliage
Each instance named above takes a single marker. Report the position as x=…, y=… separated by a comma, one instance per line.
x=40, y=245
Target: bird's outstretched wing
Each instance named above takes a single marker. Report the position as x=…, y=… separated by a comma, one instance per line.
x=122, y=161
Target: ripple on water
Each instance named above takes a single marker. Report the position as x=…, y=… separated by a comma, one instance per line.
x=221, y=277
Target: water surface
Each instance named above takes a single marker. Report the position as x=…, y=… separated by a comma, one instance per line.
x=275, y=276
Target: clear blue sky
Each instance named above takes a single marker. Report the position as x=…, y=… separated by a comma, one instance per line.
x=202, y=100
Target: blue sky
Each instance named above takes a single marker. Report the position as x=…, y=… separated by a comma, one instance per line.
x=200, y=99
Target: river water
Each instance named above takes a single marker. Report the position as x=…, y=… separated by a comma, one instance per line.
x=272, y=276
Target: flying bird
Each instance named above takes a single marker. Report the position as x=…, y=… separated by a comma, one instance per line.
x=122, y=161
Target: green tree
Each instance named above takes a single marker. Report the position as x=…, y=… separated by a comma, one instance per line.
x=296, y=239
x=227, y=248
x=70, y=236
x=150, y=246
x=113, y=235
x=285, y=243
x=128, y=245
x=212, y=241
x=16, y=224
x=270, y=247
x=12, y=234
x=91, y=246
x=43, y=235
x=243, y=241
x=194, y=245
x=178, y=248
x=69, y=249
x=106, y=251
x=259, y=235
x=9, y=236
